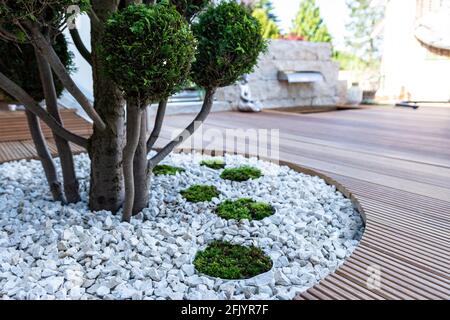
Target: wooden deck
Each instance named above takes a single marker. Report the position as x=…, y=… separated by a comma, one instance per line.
x=397, y=163
x=15, y=139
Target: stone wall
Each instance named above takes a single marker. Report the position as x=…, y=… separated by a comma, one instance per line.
x=286, y=55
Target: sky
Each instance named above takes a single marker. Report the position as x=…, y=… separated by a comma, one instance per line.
x=334, y=13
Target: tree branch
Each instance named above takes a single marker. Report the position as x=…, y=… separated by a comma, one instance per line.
x=78, y=42
x=97, y=23
x=134, y=113
x=20, y=95
x=50, y=55
x=44, y=155
x=158, y=125
x=201, y=116
x=8, y=36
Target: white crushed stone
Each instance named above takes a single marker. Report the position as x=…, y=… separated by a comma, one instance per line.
x=49, y=251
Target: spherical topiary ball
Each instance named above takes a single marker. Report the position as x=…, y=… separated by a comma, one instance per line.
x=229, y=43
x=148, y=50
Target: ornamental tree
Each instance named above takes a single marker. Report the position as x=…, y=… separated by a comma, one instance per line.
x=142, y=52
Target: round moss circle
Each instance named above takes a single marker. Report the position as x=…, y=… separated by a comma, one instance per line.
x=241, y=174
x=165, y=169
x=200, y=193
x=244, y=208
x=215, y=164
x=233, y=262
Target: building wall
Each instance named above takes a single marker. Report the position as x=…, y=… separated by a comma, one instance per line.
x=286, y=55
x=410, y=70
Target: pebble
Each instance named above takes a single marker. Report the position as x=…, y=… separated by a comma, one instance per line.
x=50, y=251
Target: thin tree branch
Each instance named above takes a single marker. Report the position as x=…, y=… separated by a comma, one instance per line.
x=134, y=114
x=8, y=36
x=158, y=125
x=96, y=20
x=78, y=42
x=50, y=55
x=30, y=104
x=71, y=186
x=44, y=155
x=201, y=116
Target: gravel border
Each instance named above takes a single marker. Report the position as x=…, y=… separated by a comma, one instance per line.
x=49, y=251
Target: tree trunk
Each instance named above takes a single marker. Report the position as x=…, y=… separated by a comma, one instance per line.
x=141, y=176
x=105, y=150
x=65, y=153
x=133, y=133
x=45, y=156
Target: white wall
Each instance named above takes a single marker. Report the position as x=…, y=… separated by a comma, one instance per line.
x=409, y=70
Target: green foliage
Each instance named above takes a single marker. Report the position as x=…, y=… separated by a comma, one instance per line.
x=309, y=24
x=269, y=29
x=200, y=193
x=240, y=174
x=227, y=261
x=229, y=43
x=364, y=44
x=348, y=61
x=244, y=208
x=165, y=169
x=213, y=164
x=188, y=8
x=18, y=63
x=148, y=50
x=43, y=11
x=268, y=7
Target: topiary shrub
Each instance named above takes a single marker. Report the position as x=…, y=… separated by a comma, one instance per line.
x=244, y=208
x=215, y=164
x=240, y=174
x=200, y=193
x=229, y=43
x=148, y=50
x=19, y=64
x=227, y=261
x=165, y=169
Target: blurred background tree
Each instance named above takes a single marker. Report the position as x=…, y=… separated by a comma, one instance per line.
x=309, y=24
x=364, y=38
x=264, y=12
x=269, y=28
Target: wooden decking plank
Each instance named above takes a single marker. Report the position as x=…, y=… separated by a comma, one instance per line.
x=406, y=273
x=348, y=285
x=430, y=276
x=361, y=278
x=388, y=232
x=403, y=291
x=410, y=257
x=393, y=280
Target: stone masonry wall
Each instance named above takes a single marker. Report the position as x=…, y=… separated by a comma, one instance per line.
x=286, y=55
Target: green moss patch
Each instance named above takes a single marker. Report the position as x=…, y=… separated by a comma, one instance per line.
x=215, y=164
x=200, y=193
x=165, y=169
x=244, y=208
x=228, y=261
x=240, y=174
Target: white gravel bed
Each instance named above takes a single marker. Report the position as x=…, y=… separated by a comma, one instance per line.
x=50, y=251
